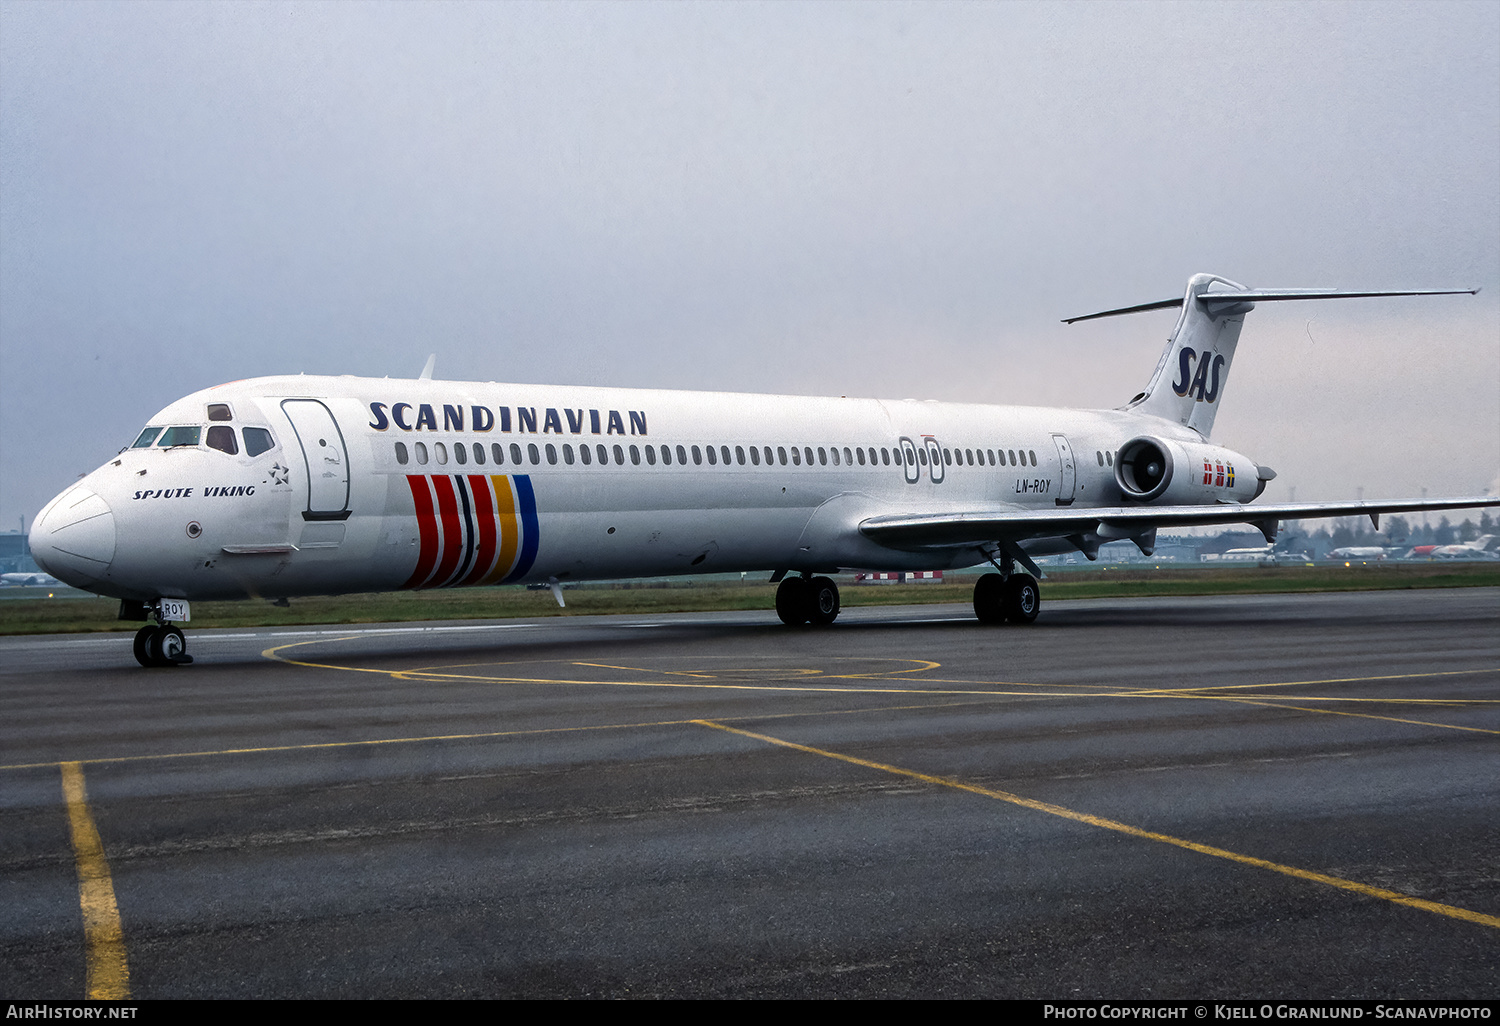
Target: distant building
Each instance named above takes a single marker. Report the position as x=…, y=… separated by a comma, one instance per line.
x=15, y=554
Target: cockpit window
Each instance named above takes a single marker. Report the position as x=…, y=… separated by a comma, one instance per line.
x=218, y=411
x=257, y=441
x=174, y=436
x=147, y=437
x=222, y=438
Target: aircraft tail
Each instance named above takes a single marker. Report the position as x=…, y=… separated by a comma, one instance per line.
x=1194, y=366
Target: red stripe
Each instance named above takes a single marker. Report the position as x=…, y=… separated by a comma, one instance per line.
x=421, y=497
x=484, y=520
x=453, y=539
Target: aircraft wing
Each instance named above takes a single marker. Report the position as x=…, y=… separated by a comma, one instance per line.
x=941, y=530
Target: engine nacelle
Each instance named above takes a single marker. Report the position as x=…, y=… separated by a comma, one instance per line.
x=1159, y=470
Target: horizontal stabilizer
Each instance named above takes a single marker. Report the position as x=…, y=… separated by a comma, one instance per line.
x=1211, y=300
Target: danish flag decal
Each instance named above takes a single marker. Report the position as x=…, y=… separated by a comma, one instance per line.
x=1220, y=475
x=474, y=529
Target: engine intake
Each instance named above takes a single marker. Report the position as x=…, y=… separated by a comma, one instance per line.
x=1143, y=468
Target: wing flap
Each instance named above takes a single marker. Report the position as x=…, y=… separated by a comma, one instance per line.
x=974, y=527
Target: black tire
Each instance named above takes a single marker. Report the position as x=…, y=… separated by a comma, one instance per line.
x=143, y=644
x=989, y=599
x=822, y=601
x=1023, y=598
x=167, y=647
x=793, y=601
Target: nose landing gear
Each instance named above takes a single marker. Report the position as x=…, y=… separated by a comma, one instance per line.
x=161, y=644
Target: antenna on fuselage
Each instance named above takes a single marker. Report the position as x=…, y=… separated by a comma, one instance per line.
x=426, y=374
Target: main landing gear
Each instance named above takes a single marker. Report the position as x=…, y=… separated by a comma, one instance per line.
x=1013, y=598
x=1016, y=598
x=812, y=600
x=161, y=645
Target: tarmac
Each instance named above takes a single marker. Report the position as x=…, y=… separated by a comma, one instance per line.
x=1244, y=797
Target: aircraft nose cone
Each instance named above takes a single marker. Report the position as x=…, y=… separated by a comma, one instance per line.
x=74, y=537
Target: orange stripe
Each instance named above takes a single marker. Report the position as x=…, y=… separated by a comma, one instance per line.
x=509, y=529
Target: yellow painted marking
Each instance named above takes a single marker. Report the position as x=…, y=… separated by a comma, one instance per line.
x=637, y=669
x=440, y=675
x=423, y=738
x=314, y=746
x=1359, y=715
x=1201, y=692
x=1330, y=680
x=108, y=975
x=1397, y=897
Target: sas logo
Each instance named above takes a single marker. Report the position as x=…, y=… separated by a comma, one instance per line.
x=1220, y=475
x=1202, y=384
x=473, y=529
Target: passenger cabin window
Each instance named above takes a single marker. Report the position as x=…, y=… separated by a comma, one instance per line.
x=401, y=456
x=146, y=438
x=257, y=441
x=219, y=412
x=222, y=439
x=175, y=436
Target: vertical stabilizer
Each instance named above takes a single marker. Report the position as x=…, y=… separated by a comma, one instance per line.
x=1194, y=366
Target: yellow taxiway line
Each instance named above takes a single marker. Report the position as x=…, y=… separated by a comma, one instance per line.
x=1397, y=897
x=108, y=974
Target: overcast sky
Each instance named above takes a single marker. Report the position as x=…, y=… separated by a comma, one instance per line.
x=869, y=199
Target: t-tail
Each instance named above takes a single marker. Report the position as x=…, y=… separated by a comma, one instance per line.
x=1194, y=367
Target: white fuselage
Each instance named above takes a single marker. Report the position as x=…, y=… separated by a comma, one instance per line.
x=380, y=484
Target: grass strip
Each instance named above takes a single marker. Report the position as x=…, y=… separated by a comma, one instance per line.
x=42, y=615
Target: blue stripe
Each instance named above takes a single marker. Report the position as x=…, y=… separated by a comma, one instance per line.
x=461, y=486
x=529, y=533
